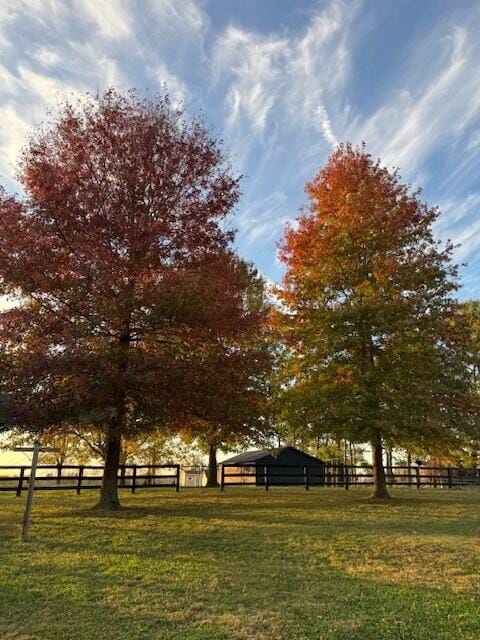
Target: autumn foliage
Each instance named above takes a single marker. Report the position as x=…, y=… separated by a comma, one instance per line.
x=373, y=344
x=123, y=261
x=136, y=317
x=232, y=401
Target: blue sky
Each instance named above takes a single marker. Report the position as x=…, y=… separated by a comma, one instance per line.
x=282, y=81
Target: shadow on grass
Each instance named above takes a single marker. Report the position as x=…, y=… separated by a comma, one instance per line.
x=86, y=601
x=273, y=514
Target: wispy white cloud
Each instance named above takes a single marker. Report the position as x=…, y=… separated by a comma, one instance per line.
x=51, y=49
x=283, y=94
x=282, y=97
x=29, y=94
x=460, y=222
x=323, y=122
x=261, y=221
x=12, y=137
x=46, y=57
x=428, y=125
x=286, y=78
x=186, y=15
x=112, y=19
x=47, y=15
x=256, y=63
x=43, y=89
x=176, y=88
x=10, y=84
x=429, y=110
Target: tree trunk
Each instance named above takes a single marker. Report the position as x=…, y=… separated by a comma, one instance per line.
x=390, y=475
x=113, y=446
x=212, y=467
x=409, y=465
x=379, y=480
x=109, y=492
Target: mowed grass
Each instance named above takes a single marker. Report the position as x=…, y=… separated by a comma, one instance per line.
x=243, y=564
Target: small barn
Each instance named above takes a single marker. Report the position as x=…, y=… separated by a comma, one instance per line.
x=282, y=466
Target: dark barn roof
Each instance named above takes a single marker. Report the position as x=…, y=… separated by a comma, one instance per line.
x=270, y=455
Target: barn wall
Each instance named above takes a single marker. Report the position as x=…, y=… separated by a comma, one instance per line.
x=291, y=475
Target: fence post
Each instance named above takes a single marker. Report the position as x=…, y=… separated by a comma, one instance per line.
x=306, y=474
x=134, y=477
x=417, y=473
x=266, y=477
x=20, y=481
x=346, y=477
x=450, y=480
x=177, y=478
x=31, y=488
x=79, y=479
x=59, y=473
x=222, y=477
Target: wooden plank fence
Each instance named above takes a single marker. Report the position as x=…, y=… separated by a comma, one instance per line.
x=133, y=477
x=80, y=477
x=345, y=476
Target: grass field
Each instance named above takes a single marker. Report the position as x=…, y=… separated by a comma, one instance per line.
x=243, y=564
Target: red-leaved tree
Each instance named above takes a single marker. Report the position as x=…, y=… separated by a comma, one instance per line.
x=119, y=253
x=232, y=402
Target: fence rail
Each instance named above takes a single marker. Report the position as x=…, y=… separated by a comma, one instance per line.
x=80, y=477
x=346, y=476
x=133, y=477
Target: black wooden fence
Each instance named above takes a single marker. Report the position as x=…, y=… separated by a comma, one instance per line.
x=80, y=477
x=345, y=476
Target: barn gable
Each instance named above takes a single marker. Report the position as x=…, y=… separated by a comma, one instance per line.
x=287, y=455
x=282, y=466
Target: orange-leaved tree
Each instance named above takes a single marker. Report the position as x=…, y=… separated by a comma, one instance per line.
x=373, y=347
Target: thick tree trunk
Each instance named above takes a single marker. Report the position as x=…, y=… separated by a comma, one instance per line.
x=212, y=480
x=379, y=481
x=109, y=492
x=113, y=447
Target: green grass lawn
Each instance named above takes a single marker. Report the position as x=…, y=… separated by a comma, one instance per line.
x=243, y=564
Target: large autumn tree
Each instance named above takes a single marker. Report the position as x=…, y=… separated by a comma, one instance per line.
x=373, y=349
x=233, y=401
x=120, y=253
